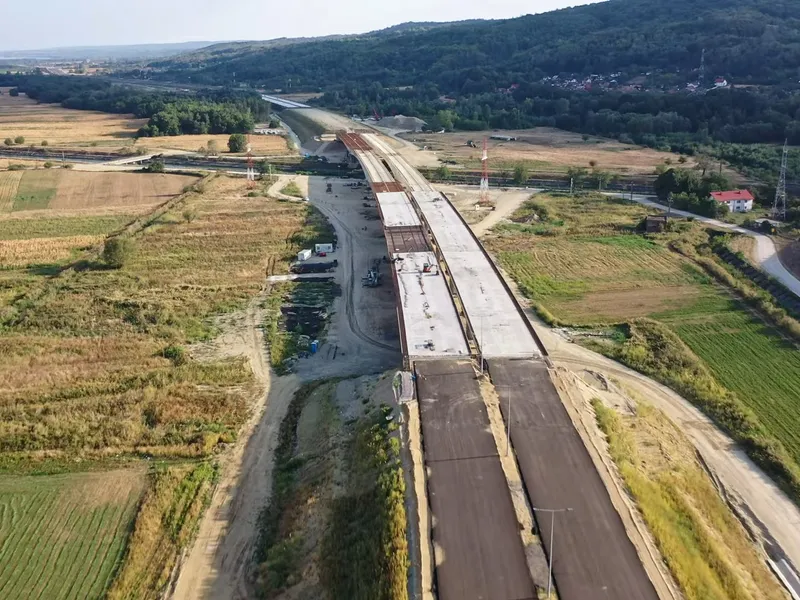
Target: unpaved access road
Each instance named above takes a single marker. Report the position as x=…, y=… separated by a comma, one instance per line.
x=216, y=566
x=775, y=519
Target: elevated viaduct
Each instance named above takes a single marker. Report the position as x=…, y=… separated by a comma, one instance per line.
x=455, y=310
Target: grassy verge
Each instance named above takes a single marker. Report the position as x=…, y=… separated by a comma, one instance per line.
x=706, y=549
x=653, y=349
x=292, y=189
x=365, y=551
x=166, y=523
x=337, y=506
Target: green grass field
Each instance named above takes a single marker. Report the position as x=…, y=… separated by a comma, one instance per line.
x=63, y=536
x=747, y=357
x=36, y=190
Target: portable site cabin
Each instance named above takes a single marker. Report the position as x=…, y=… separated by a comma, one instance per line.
x=326, y=248
x=303, y=255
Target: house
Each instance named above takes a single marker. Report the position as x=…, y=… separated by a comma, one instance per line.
x=720, y=82
x=737, y=200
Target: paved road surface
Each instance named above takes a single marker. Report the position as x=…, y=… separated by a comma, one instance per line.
x=477, y=546
x=766, y=253
x=593, y=558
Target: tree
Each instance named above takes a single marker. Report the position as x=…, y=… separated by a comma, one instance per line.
x=117, y=251
x=577, y=174
x=9, y=142
x=48, y=165
x=274, y=124
x=703, y=164
x=156, y=166
x=593, y=163
x=520, y=176
x=443, y=172
x=603, y=178
x=19, y=139
x=44, y=142
x=189, y=214
x=13, y=92
x=237, y=143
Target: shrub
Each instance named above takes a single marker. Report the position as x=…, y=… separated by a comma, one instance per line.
x=8, y=142
x=45, y=143
x=189, y=214
x=117, y=251
x=48, y=165
x=177, y=354
x=66, y=166
x=13, y=92
x=19, y=139
x=237, y=143
x=16, y=167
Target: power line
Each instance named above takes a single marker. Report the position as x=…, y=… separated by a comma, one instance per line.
x=779, y=208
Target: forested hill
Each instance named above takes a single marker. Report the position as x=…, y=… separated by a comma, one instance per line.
x=747, y=41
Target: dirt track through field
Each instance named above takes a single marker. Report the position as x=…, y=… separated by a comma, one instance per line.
x=217, y=564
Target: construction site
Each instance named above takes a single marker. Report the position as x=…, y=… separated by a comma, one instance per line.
x=461, y=328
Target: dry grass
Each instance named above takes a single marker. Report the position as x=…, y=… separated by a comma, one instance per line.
x=266, y=145
x=20, y=253
x=66, y=391
x=63, y=536
x=707, y=550
x=65, y=128
x=165, y=525
x=9, y=182
x=548, y=150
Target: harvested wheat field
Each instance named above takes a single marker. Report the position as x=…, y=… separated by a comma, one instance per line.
x=21, y=253
x=262, y=145
x=9, y=182
x=546, y=150
x=63, y=127
x=61, y=189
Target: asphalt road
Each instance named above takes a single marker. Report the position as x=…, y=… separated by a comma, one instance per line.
x=593, y=559
x=477, y=546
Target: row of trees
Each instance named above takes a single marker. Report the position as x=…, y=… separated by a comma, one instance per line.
x=169, y=113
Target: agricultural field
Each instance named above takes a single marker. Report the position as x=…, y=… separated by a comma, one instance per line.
x=66, y=190
x=64, y=536
x=97, y=368
x=261, y=145
x=580, y=262
x=68, y=129
x=545, y=150
x=63, y=128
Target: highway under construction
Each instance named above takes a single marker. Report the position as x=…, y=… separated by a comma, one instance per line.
x=458, y=317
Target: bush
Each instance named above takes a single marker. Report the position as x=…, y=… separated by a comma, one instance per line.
x=237, y=143
x=45, y=143
x=67, y=166
x=156, y=166
x=189, y=214
x=8, y=142
x=48, y=165
x=16, y=167
x=13, y=92
x=117, y=251
x=19, y=139
x=177, y=354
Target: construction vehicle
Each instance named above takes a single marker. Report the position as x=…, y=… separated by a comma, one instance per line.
x=374, y=277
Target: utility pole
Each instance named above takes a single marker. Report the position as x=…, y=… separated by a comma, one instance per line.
x=484, y=194
x=552, y=512
x=779, y=208
x=703, y=68
x=669, y=206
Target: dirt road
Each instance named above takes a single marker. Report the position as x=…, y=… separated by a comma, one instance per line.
x=216, y=566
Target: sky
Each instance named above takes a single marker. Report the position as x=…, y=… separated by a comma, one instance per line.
x=36, y=24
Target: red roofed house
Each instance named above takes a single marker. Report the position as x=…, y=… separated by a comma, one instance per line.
x=737, y=200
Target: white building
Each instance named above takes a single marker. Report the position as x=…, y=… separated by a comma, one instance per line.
x=737, y=200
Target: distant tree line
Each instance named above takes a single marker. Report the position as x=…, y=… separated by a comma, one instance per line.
x=168, y=113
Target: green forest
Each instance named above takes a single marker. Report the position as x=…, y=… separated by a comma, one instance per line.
x=750, y=41
x=168, y=113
